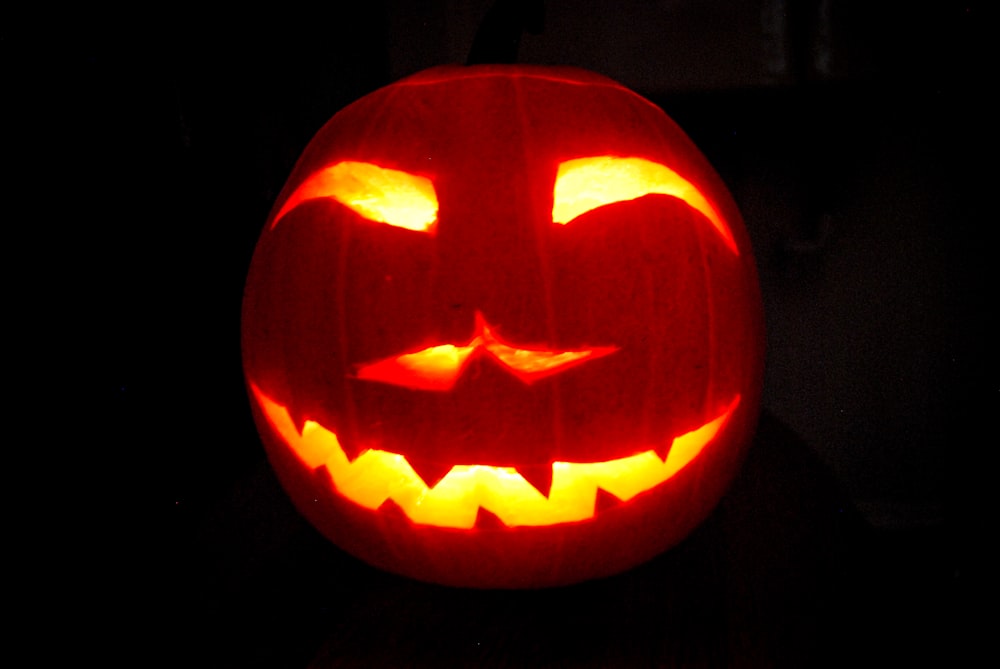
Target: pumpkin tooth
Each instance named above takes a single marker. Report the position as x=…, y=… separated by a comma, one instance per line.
x=539, y=476
x=662, y=448
x=430, y=472
x=351, y=448
x=604, y=500
x=487, y=520
x=391, y=509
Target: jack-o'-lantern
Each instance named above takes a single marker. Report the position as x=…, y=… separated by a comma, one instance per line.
x=503, y=329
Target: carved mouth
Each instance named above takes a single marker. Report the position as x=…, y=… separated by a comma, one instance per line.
x=375, y=477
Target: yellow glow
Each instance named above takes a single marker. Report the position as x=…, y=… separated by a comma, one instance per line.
x=377, y=193
x=439, y=367
x=376, y=476
x=585, y=184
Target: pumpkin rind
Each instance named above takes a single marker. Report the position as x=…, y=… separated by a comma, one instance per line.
x=669, y=297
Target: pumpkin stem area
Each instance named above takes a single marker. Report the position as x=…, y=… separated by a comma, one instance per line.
x=499, y=35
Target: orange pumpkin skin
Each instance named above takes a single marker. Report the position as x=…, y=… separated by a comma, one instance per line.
x=655, y=291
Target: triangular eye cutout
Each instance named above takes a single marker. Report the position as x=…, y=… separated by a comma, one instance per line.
x=584, y=184
x=377, y=193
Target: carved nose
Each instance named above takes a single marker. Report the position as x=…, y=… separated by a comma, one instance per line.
x=438, y=368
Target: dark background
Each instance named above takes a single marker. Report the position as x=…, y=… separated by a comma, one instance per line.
x=853, y=136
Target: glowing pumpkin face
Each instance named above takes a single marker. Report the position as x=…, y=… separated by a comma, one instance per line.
x=502, y=329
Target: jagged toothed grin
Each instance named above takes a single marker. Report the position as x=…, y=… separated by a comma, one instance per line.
x=376, y=476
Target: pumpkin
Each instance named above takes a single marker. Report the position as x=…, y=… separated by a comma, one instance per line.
x=503, y=329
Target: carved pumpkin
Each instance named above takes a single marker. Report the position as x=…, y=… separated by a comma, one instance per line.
x=503, y=329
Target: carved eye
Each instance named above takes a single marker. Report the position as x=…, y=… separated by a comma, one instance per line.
x=585, y=184
x=379, y=194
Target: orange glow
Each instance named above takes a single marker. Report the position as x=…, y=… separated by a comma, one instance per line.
x=439, y=367
x=434, y=368
x=376, y=476
x=379, y=194
x=585, y=184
